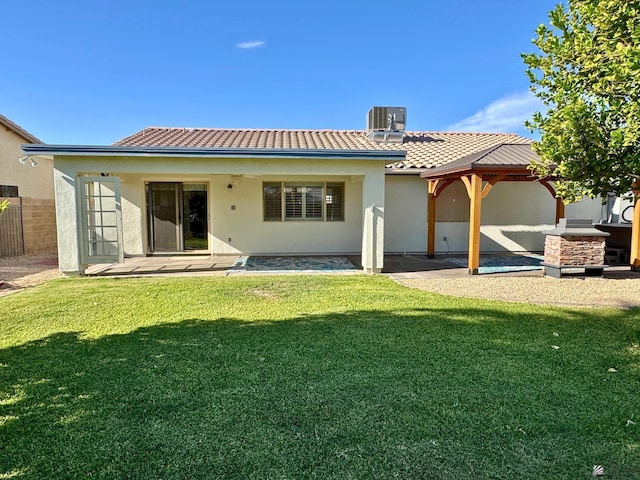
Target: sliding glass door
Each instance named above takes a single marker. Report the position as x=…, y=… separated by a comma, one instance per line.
x=177, y=217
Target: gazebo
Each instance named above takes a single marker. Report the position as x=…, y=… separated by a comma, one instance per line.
x=480, y=172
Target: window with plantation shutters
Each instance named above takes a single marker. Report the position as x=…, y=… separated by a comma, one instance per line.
x=293, y=201
x=334, y=201
x=284, y=201
x=272, y=193
x=313, y=202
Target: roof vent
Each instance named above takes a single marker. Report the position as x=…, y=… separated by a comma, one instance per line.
x=386, y=124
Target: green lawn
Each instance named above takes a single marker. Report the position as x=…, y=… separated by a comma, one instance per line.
x=310, y=377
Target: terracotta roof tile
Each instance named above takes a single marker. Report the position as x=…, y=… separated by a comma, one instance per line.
x=424, y=149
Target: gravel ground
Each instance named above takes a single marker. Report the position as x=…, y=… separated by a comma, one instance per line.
x=27, y=271
x=574, y=292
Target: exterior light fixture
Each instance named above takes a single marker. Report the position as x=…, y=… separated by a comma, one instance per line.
x=24, y=158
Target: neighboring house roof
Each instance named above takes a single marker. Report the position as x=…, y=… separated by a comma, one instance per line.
x=424, y=150
x=9, y=125
x=512, y=158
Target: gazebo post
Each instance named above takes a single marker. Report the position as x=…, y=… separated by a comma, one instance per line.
x=559, y=209
x=431, y=219
x=635, y=230
x=474, y=188
x=559, y=200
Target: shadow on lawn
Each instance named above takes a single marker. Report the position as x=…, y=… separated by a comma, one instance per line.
x=422, y=393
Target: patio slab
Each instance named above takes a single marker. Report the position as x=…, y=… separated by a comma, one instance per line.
x=162, y=265
x=400, y=267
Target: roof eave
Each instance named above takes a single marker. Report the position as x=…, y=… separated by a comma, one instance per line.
x=405, y=171
x=389, y=156
x=17, y=129
x=478, y=169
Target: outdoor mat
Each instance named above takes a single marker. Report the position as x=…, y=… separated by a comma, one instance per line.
x=503, y=263
x=293, y=264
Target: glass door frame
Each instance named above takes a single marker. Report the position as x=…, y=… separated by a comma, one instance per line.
x=93, y=213
x=180, y=224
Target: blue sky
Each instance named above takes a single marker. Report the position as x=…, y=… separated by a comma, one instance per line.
x=91, y=72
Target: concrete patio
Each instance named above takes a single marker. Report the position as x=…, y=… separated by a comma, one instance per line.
x=162, y=265
x=410, y=266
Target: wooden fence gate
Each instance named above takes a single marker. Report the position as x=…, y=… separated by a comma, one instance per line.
x=11, y=235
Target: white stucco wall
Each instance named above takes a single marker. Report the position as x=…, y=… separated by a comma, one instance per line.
x=589, y=208
x=134, y=220
x=236, y=224
x=243, y=230
x=513, y=216
x=406, y=214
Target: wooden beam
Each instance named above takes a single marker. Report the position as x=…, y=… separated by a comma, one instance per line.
x=487, y=188
x=475, y=194
x=559, y=209
x=431, y=226
x=467, y=184
x=438, y=191
x=434, y=192
x=549, y=187
x=559, y=201
x=635, y=230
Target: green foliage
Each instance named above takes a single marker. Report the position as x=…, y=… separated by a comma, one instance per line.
x=587, y=74
x=310, y=377
x=3, y=206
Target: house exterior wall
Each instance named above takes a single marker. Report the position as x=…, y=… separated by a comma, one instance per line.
x=35, y=187
x=514, y=215
x=406, y=214
x=236, y=224
x=243, y=224
x=33, y=182
x=243, y=229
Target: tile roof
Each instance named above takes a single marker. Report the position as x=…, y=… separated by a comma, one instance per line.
x=240, y=138
x=14, y=127
x=425, y=150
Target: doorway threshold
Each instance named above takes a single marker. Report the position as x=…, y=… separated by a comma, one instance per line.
x=185, y=253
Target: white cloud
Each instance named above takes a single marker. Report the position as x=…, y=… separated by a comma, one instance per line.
x=246, y=45
x=507, y=114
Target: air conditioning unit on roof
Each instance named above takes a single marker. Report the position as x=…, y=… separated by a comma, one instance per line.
x=386, y=124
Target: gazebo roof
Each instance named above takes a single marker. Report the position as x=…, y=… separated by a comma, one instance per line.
x=506, y=158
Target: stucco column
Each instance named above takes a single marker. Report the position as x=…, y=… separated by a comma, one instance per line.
x=67, y=216
x=373, y=222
